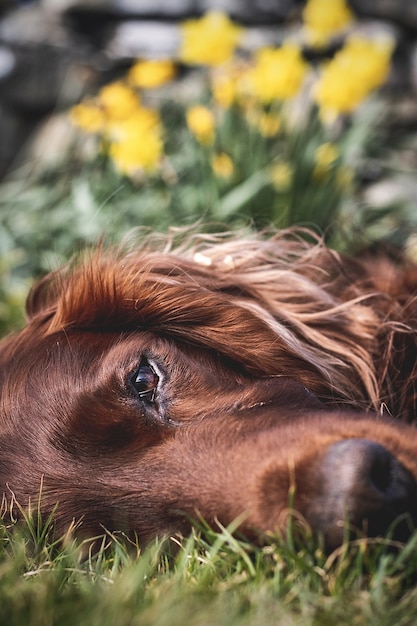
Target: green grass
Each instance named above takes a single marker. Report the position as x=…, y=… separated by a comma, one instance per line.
x=207, y=579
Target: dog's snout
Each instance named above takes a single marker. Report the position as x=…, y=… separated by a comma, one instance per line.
x=363, y=488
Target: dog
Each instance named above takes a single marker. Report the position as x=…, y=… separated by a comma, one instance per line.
x=264, y=379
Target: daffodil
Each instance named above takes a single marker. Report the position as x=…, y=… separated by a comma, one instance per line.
x=115, y=101
x=148, y=74
x=324, y=158
x=136, y=143
x=277, y=74
x=227, y=82
x=345, y=176
x=142, y=120
x=281, y=175
x=371, y=59
x=324, y=18
x=88, y=117
x=132, y=133
x=223, y=88
x=210, y=40
x=201, y=122
x=222, y=165
x=269, y=124
x=361, y=66
x=118, y=100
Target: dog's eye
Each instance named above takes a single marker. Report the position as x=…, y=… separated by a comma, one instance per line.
x=145, y=381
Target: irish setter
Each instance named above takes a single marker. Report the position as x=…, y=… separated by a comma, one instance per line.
x=258, y=378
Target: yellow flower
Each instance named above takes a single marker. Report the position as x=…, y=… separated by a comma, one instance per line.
x=136, y=143
x=324, y=18
x=361, y=66
x=223, y=88
x=345, y=176
x=277, y=73
x=88, y=116
x=142, y=120
x=200, y=121
x=226, y=82
x=115, y=101
x=269, y=124
x=118, y=100
x=210, y=40
x=324, y=157
x=371, y=59
x=222, y=165
x=281, y=175
x=326, y=154
x=151, y=73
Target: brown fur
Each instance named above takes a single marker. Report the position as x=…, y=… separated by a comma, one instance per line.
x=268, y=352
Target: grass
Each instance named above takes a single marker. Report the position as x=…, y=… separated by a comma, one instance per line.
x=209, y=578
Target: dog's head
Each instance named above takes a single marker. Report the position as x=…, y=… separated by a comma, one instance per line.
x=152, y=388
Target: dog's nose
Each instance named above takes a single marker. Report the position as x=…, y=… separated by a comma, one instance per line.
x=364, y=489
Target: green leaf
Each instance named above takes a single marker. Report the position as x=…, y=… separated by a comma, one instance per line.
x=239, y=196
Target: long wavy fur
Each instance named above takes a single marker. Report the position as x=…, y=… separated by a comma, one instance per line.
x=278, y=305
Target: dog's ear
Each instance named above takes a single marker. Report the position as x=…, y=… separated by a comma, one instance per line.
x=43, y=295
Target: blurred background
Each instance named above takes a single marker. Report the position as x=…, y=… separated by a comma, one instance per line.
x=119, y=114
